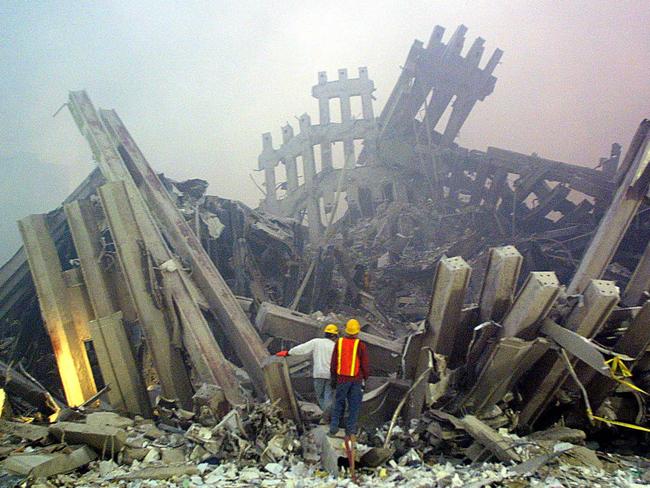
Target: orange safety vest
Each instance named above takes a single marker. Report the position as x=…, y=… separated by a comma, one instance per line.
x=348, y=361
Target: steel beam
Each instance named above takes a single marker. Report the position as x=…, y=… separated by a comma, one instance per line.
x=508, y=361
x=235, y=324
x=443, y=323
x=449, y=288
x=533, y=302
x=15, y=283
x=619, y=215
x=78, y=302
x=276, y=375
x=69, y=351
x=114, y=352
x=639, y=283
x=181, y=306
x=115, y=162
x=634, y=343
x=599, y=300
x=284, y=323
x=129, y=243
x=551, y=372
x=499, y=283
x=115, y=357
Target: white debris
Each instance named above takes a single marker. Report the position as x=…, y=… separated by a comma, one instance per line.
x=274, y=468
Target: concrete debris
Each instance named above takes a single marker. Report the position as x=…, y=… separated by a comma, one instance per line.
x=103, y=438
x=30, y=432
x=256, y=446
x=44, y=465
x=487, y=285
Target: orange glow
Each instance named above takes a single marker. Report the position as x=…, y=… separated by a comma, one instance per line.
x=69, y=379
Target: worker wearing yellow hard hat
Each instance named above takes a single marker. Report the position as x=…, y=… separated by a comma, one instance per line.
x=331, y=329
x=321, y=351
x=352, y=327
x=349, y=369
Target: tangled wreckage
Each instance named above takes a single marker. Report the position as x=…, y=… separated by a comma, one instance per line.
x=502, y=295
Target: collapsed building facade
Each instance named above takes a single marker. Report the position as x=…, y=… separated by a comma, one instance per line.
x=409, y=175
x=491, y=284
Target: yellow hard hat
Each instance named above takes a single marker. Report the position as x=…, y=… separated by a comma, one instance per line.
x=352, y=327
x=331, y=329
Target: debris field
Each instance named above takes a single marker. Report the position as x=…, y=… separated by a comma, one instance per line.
x=503, y=297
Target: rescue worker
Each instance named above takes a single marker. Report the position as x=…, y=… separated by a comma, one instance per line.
x=321, y=350
x=350, y=370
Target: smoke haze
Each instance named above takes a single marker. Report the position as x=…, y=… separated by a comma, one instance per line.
x=197, y=83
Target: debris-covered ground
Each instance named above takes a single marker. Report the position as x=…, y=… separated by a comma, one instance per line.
x=257, y=448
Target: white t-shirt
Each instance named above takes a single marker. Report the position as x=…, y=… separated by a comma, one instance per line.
x=321, y=350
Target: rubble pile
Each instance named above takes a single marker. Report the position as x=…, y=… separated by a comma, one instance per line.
x=106, y=449
x=503, y=300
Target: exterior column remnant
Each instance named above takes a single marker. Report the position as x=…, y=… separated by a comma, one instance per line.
x=69, y=351
x=635, y=172
x=290, y=163
x=324, y=120
x=268, y=165
x=114, y=352
x=131, y=252
x=449, y=287
x=499, y=282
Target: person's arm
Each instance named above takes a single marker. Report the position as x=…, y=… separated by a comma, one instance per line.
x=302, y=349
x=333, y=363
x=363, y=356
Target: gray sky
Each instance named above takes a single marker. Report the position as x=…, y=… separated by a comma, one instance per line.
x=198, y=82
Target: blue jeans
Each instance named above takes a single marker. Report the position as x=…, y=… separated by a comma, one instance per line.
x=324, y=392
x=352, y=393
